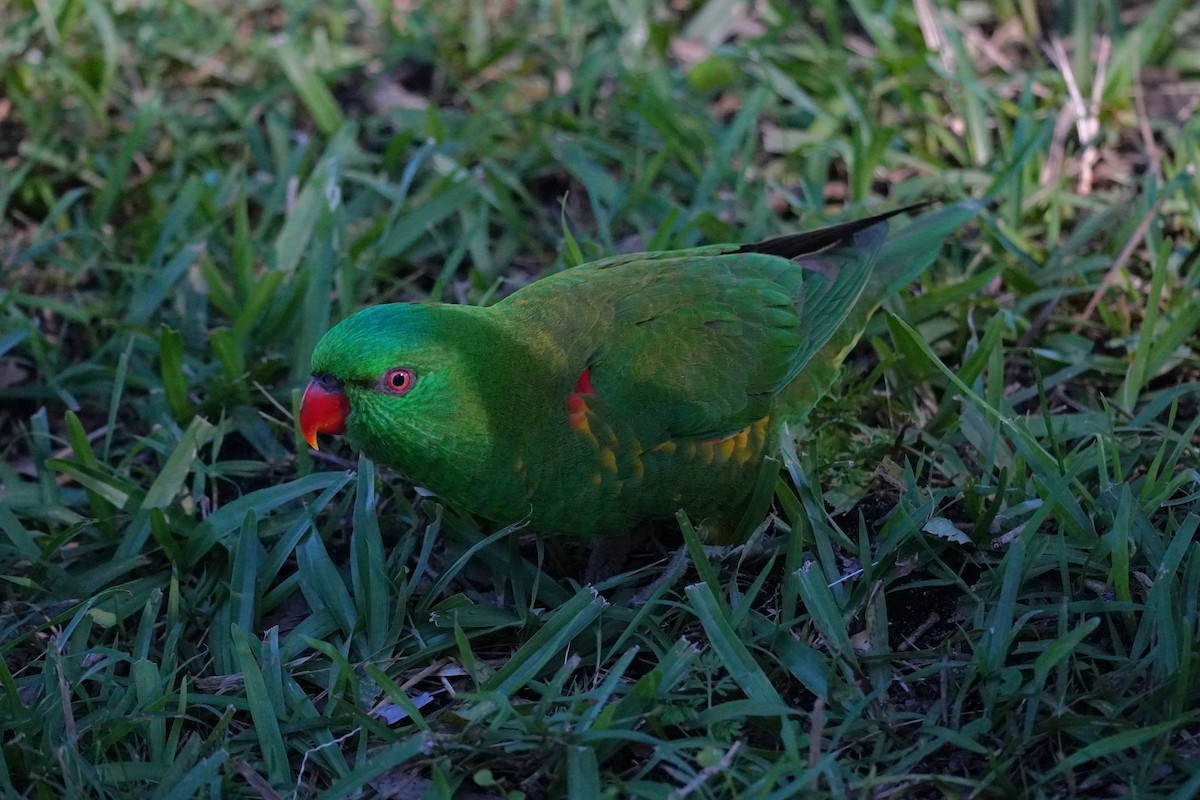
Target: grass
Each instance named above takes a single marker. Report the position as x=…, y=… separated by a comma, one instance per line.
x=980, y=577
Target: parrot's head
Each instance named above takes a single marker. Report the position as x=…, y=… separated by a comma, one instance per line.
x=398, y=380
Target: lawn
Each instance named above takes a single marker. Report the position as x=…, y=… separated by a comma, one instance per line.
x=980, y=576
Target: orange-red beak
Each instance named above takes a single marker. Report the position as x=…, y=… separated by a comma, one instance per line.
x=323, y=409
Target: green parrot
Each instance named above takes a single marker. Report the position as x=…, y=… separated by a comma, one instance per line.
x=618, y=391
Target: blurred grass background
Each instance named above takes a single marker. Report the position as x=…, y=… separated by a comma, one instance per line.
x=980, y=578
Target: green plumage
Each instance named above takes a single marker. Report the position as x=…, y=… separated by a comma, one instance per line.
x=624, y=389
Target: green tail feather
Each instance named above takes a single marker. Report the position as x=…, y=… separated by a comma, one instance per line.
x=901, y=259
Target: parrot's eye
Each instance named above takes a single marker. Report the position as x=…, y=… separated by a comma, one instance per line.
x=399, y=381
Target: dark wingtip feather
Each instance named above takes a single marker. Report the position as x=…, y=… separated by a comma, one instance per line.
x=795, y=245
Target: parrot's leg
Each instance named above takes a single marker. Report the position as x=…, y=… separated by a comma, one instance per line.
x=675, y=568
x=607, y=557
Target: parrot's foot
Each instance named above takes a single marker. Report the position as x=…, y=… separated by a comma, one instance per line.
x=675, y=568
x=607, y=558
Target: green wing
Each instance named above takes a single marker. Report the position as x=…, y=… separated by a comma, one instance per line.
x=705, y=342
x=700, y=346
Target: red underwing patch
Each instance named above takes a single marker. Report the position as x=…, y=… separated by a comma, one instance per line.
x=576, y=405
x=584, y=384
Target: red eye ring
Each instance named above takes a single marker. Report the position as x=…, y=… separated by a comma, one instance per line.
x=398, y=381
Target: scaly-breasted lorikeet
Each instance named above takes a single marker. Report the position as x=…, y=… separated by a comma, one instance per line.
x=617, y=391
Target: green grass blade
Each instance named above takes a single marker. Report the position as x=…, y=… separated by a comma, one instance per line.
x=262, y=710
x=562, y=625
x=726, y=642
